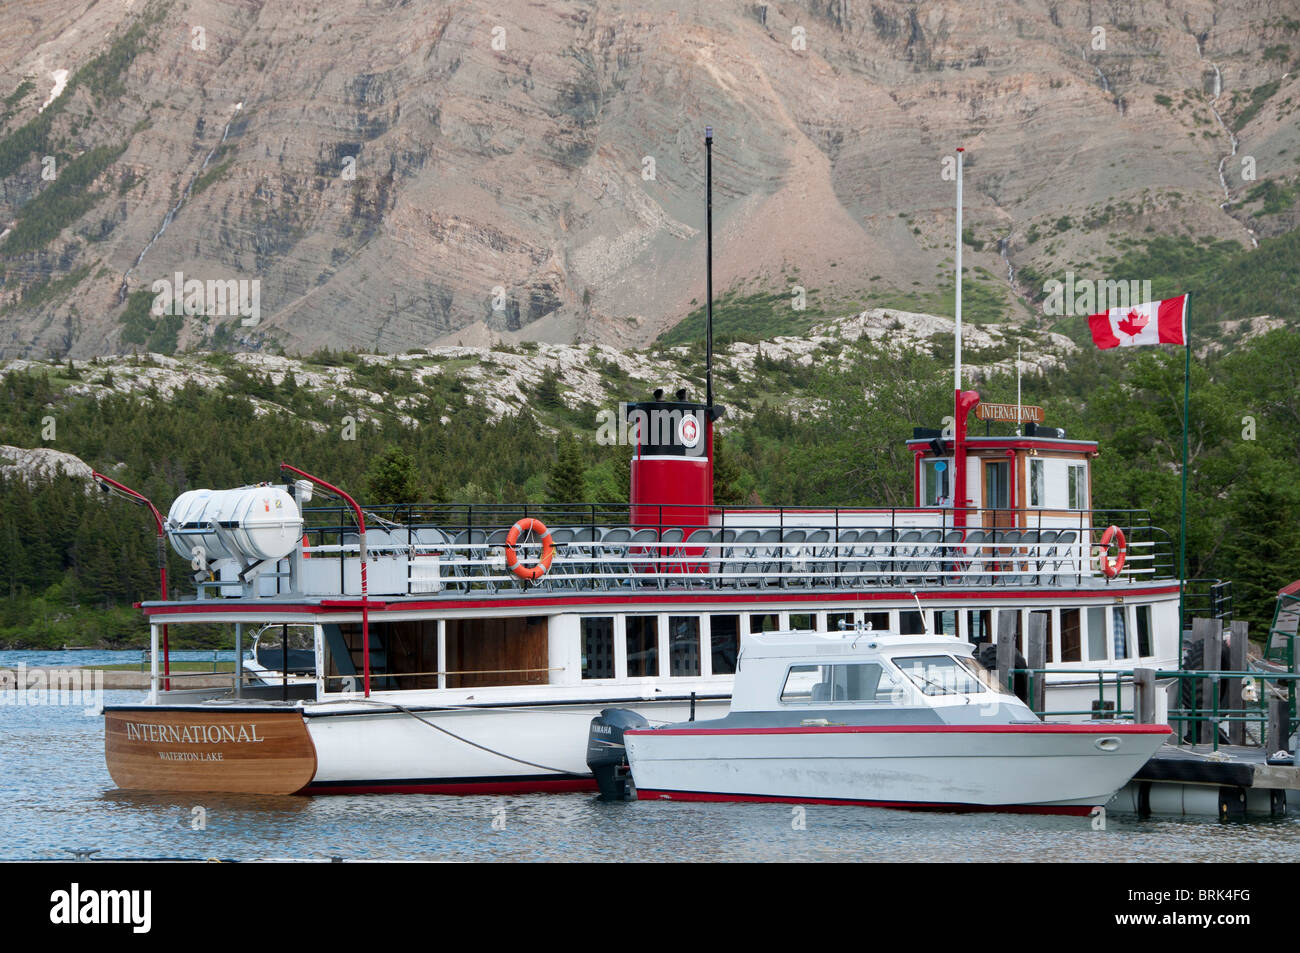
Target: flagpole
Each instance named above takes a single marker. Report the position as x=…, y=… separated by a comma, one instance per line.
x=1182, y=529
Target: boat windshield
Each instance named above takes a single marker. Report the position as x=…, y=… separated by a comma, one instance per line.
x=943, y=675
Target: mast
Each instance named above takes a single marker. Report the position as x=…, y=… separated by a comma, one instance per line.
x=959, y=407
x=708, y=276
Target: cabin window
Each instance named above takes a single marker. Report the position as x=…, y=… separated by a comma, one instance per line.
x=1096, y=634
x=803, y=621
x=833, y=620
x=945, y=622
x=642, y=645
x=1078, y=483
x=877, y=621
x=1119, y=638
x=768, y=622
x=724, y=643
x=910, y=622
x=1071, y=637
x=597, y=647
x=937, y=488
x=848, y=682
x=1037, y=483
x=683, y=645
x=1143, y=614
x=979, y=626
x=939, y=675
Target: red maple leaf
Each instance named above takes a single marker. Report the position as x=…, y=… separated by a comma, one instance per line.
x=1133, y=322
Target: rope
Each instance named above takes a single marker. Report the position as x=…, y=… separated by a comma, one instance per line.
x=472, y=744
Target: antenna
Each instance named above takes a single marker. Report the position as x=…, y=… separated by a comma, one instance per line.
x=924, y=621
x=708, y=279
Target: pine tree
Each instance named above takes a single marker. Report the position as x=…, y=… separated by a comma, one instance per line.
x=564, y=484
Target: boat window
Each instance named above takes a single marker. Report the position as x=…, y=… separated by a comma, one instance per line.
x=935, y=481
x=844, y=682
x=1120, y=630
x=724, y=642
x=987, y=679
x=878, y=621
x=945, y=622
x=1144, y=630
x=597, y=647
x=768, y=622
x=833, y=620
x=979, y=626
x=1078, y=483
x=910, y=622
x=1036, y=483
x=642, y=645
x=1096, y=633
x=1071, y=637
x=940, y=675
x=802, y=621
x=683, y=645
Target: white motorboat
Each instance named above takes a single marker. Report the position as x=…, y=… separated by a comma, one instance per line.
x=872, y=718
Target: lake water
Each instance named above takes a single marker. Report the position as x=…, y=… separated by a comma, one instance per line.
x=57, y=794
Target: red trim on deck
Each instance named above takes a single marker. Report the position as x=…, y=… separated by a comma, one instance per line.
x=1075, y=810
x=260, y=606
x=1044, y=729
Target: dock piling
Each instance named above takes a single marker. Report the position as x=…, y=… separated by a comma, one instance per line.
x=1237, y=663
x=1144, y=691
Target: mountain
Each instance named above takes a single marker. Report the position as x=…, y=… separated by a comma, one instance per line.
x=395, y=175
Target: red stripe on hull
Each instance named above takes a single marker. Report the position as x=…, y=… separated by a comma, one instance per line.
x=1073, y=810
x=564, y=786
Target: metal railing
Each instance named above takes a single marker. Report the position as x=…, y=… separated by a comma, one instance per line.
x=619, y=546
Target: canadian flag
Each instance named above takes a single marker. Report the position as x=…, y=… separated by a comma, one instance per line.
x=1156, y=322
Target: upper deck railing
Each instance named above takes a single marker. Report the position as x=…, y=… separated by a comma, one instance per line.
x=461, y=548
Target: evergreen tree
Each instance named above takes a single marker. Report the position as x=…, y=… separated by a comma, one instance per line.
x=565, y=482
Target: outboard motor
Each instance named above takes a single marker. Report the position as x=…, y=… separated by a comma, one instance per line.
x=606, y=755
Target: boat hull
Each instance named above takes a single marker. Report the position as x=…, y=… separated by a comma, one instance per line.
x=1048, y=768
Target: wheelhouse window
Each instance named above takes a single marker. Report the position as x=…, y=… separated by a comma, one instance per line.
x=803, y=621
x=1037, y=483
x=767, y=622
x=941, y=675
x=936, y=474
x=683, y=645
x=843, y=682
x=642, y=645
x=597, y=646
x=724, y=643
x=1077, y=475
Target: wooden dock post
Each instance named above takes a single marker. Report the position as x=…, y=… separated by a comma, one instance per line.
x=1144, y=696
x=1209, y=634
x=1006, y=643
x=1037, y=659
x=1237, y=663
x=1279, y=726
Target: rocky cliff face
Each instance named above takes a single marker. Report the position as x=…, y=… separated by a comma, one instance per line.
x=404, y=174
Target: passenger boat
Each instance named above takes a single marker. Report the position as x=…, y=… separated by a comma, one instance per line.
x=872, y=718
x=465, y=648
x=437, y=668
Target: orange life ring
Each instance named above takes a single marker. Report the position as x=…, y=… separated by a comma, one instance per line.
x=1111, y=570
x=528, y=524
